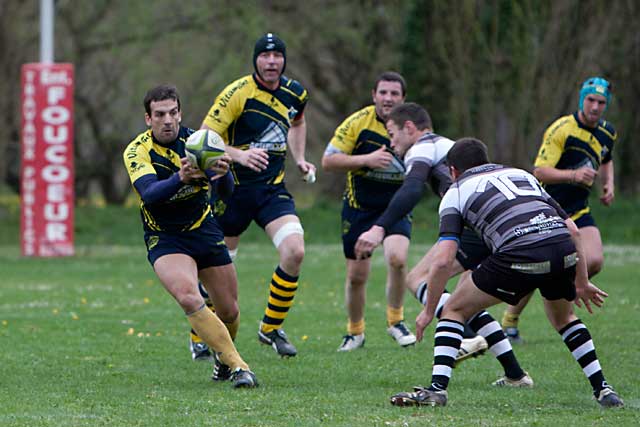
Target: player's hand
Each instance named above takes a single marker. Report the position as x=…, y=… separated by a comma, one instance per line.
x=368, y=241
x=379, y=159
x=305, y=167
x=256, y=159
x=422, y=321
x=607, y=195
x=220, y=167
x=188, y=173
x=584, y=175
x=589, y=294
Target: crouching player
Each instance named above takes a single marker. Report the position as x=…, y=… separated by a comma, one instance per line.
x=534, y=245
x=183, y=240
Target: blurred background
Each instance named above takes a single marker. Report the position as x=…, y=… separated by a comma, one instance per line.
x=499, y=70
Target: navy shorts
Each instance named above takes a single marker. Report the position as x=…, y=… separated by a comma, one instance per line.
x=204, y=244
x=357, y=221
x=549, y=266
x=585, y=220
x=471, y=250
x=259, y=203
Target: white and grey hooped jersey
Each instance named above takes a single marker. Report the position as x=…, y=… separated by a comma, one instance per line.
x=432, y=149
x=506, y=206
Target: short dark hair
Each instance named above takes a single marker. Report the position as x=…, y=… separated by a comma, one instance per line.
x=410, y=111
x=160, y=93
x=467, y=153
x=391, y=76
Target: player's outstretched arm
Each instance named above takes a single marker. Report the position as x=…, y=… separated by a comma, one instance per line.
x=586, y=292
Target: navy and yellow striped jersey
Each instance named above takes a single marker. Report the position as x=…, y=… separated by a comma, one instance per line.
x=568, y=144
x=186, y=209
x=249, y=115
x=363, y=132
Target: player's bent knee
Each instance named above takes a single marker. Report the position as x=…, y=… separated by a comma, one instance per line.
x=190, y=302
x=228, y=314
x=595, y=266
x=397, y=262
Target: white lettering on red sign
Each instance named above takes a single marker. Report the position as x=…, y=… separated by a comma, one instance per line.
x=47, y=156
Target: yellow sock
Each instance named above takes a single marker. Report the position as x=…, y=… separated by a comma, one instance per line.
x=194, y=335
x=509, y=320
x=212, y=331
x=232, y=327
x=394, y=315
x=355, y=328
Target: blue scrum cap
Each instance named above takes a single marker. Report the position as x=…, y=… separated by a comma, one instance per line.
x=596, y=85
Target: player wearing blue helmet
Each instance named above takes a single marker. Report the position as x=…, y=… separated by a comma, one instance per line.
x=575, y=149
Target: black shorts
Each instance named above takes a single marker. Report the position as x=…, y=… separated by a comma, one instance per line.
x=205, y=245
x=471, y=250
x=585, y=220
x=259, y=203
x=357, y=221
x=549, y=266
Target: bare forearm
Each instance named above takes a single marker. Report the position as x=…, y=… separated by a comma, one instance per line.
x=339, y=162
x=607, y=174
x=549, y=175
x=297, y=141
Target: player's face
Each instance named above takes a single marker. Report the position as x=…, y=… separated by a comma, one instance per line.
x=386, y=96
x=400, y=141
x=164, y=120
x=269, y=65
x=593, y=107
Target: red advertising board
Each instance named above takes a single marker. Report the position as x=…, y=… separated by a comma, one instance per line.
x=47, y=175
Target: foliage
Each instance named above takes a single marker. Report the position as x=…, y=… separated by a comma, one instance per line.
x=501, y=70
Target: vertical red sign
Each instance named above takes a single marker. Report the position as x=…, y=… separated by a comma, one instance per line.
x=47, y=177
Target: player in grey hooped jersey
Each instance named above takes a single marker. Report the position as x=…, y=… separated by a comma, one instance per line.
x=425, y=155
x=486, y=198
x=534, y=244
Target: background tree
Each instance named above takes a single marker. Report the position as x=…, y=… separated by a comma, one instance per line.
x=500, y=70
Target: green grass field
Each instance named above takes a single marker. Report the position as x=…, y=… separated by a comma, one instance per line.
x=94, y=340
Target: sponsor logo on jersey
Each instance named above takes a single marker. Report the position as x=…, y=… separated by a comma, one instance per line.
x=224, y=101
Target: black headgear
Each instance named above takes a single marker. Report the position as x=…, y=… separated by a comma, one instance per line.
x=267, y=43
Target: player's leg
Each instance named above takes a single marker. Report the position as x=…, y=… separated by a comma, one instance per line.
x=222, y=285
x=227, y=219
x=287, y=236
x=511, y=317
x=354, y=222
x=198, y=348
x=355, y=298
x=593, y=251
x=179, y=275
x=578, y=340
x=396, y=249
x=232, y=243
x=470, y=253
x=465, y=300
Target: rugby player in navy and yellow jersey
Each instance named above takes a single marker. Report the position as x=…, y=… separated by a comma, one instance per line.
x=183, y=240
x=260, y=116
x=360, y=147
x=534, y=245
x=575, y=149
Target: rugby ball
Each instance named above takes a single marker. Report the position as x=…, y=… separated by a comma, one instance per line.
x=203, y=148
